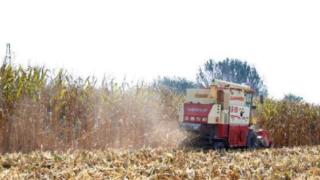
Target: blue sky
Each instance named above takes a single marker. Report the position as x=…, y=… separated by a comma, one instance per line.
x=145, y=39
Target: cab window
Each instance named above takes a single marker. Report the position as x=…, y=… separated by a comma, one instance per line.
x=248, y=97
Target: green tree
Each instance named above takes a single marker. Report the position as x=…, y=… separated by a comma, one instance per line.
x=175, y=84
x=232, y=70
x=292, y=98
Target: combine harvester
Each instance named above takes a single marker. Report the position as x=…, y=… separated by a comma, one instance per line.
x=222, y=116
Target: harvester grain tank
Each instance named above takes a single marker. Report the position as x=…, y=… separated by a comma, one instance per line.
x=223, y=116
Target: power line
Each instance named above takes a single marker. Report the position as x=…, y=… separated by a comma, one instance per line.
x=8, y=57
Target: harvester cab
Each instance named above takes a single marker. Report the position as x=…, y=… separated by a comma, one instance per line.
x=223, y=116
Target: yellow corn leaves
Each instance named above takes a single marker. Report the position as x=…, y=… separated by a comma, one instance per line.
x=284, y=163
x=16, y=82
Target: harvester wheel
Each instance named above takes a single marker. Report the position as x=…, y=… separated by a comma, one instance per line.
x=219, y=145
x=263, y=143
x=252, y=141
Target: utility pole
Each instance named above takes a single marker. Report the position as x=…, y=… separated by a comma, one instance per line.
x=8, y=57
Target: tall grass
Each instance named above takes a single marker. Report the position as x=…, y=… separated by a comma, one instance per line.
x=54, y=111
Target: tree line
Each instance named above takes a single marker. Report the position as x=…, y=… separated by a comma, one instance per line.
x=232, y=70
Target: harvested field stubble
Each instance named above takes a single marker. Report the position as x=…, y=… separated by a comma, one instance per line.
x=284, y=163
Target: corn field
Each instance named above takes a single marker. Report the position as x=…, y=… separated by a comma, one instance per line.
x=51, y=110
x=291, y=123
x=44, y=110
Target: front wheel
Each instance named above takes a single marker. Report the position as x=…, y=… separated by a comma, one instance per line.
x=263, y=143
